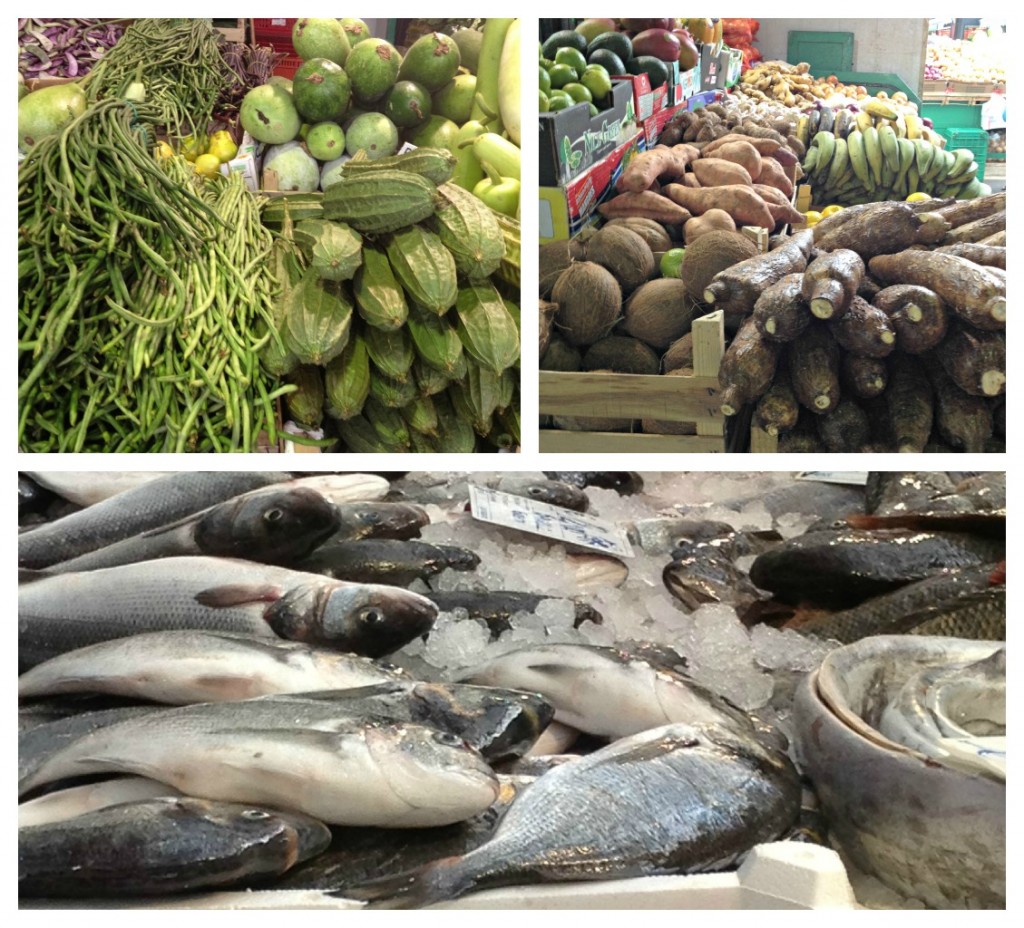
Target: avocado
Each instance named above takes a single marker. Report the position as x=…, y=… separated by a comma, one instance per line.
x=321, y=90
x=407, y=105
x=373, y=67
x=614, y=42
x=656, y=70
x=608, y=60
x=431, y=62
x=566, y=38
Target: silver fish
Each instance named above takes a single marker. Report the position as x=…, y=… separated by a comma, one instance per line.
x=88, y=487
x=293, y=753
x=161, y=846
x=60, y=614
x=78, y=800
x=686, y=799
x=187, y=666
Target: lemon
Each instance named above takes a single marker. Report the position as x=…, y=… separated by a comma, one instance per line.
x=192, y=146
x=207, y=165
x=222, y=146
x=162, y=150
x=812, y=218
x=918, y=197
x=829, y=210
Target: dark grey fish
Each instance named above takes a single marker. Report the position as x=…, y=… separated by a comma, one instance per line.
x=387, y=561
x=31, y=496
x=552, y=492
x=63, y=613
x=843, y=568
x=160, y=846
x=685, y=800
x=890, y=492
x=829, y=501
x=378, y=520
x=273, y=525
x=38, y=712
x=157, y=503
x=357, y=855
x=625, y=483
x=705, y=575
x=496, y=607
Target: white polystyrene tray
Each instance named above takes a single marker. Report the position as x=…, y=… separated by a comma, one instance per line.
x=781, y=875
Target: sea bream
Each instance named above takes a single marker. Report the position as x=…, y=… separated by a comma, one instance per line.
x=673, y=799
x=158, y=846
x=273, y=525
x=187, y=666
x=294, y=753
x=62, y=613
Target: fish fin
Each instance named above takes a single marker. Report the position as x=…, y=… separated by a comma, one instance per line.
x=171, y=526
x=438, y=881
x=220, y=597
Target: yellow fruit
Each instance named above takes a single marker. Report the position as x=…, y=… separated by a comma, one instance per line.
x=193, y=146
x=207, y=165
x=162, y=150
x=222, y=146
x=918, y=197
x=829, y=210
x=813, y=217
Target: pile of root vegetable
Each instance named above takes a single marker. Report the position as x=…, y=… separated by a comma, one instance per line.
x=882, y=329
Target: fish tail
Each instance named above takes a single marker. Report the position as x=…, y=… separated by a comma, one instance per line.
x=436, y=882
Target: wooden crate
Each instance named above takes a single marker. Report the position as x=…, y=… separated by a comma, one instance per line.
x=233, y=30
x=638, y=396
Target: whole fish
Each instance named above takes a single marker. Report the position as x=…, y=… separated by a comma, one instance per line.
x=552, y=492
x=357, y=855
x=283, y=751
x=453, y=489
x=959, y=603
x=60, y=614
x=359, y=521
x=685, y=799
x=54, y=708
x=605, y=691
x=88, y=487
x=702, y=574
x=183, y=667
x=843, y=568
x=77, y=800
x=31, y=496
x=159, y=846
x=274, y=525
x=496, y=607
x=625, y=483
x=387, y=561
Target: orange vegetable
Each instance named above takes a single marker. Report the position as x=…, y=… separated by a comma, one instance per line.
x=739, y=201
x=717, y=172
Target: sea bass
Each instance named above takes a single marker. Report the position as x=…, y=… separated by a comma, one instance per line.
x=60, y=614
x=183, y=667
x=78, y=800
x=390, y=561
x=293, y=753
x=158, y=846
x=686, y=799
x=88, y=487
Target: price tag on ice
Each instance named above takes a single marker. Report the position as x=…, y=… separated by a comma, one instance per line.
x=550, y=521
x=848, y=477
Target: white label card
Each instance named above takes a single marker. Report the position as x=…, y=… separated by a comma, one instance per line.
x=553, y=522
x=849, y=477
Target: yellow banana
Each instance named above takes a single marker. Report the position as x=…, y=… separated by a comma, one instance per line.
x=913, y=179
x=864, y=121
x=840, y=162
x=890, y=150
x=802, y=129
x=858, y=159
x=873, y=150
x=914, y=125
x=881, y=109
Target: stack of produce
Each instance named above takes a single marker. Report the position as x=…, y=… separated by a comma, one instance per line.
x=979, y=60
x=883, y=152
x=63, y=47
x=741, y=34
x=428, y=360
x=794, y=85
x=880, y=329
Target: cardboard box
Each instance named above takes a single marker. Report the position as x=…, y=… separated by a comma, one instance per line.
x=714, y=69
x=654, y=126
x=704, y=98
x=565, y=210
x=571, y=141
x=645, y=100
x=735, y=67
x=247, y=162
x=685, y=85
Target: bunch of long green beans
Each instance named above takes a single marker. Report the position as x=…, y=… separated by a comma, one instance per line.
x=180, y=63
x=144, y=298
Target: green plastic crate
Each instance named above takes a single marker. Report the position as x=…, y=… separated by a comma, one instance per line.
x=825, y=52
x=974, y=139
x=948, y=115
x=872, y=82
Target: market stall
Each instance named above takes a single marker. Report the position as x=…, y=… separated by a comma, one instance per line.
x=294, y=234
x=512, y=690
x=814, y=262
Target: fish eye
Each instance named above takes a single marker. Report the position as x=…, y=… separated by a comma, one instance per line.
x=255, y=815
x=447, y=738
x=372, y=517
x=535, y=491
x=273, y=515
x=373, y=616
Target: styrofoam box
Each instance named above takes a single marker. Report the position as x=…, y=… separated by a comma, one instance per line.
x=781, y=875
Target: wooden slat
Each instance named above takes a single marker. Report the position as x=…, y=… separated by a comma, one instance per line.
x=630, y=396
x=557, y=440
x=763, y=443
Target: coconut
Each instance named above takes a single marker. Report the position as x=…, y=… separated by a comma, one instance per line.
x=710, y=254
x=589, y=301
x=650, y=231
x=555, y=257
x=560, y=356
x=679, y=354
x=622, y=355
x=659, y=312
x=623, y=252
x=547, y=318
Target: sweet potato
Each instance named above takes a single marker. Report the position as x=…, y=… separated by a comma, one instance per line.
x=778, y=204
x=864, y=329
x=831, y=282
x=772, y=175
x=647, y=205
x=742, y=153
x=916, y=313
x=879, y=229
x=747, y=368
x=644, y=169
x=717, y=172
x=736, y=289
x=973, y=292
x=763, y=146
x=714, y=220
x=909, y=404
x=690, y=180
x=739, y=201
x=780, y=312
x=975, y=360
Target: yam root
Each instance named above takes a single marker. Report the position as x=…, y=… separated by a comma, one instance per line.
x=846, y=429
x=977, y=230
x=780, y=313
x=863, y=377
x=879, y=229
x=868, y=288
x=747, y=368
x=975, y=360
x=646, y=205
x=742, y=153
x=738, y=200
x=963, y=211
x=777, y=411
x=962, y=420
x=714, y=220
x=803, y=439
x=909, y=404
x=737, y=288
x=717, y=172
x=916, y=313
x=814, y=369
x=831, y=282
x=864, y=329
x=645, y=168
x=974, y=293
